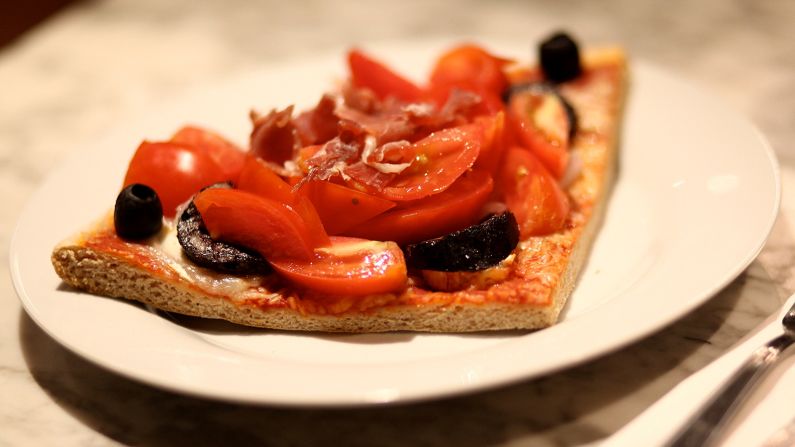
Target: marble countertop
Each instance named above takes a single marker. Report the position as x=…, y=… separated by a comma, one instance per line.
x=98, y=62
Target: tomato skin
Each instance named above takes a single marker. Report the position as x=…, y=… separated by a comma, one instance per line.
x=494, y=142
x=226, y=155
x=455, y=208
x=532, y=194
x=551, y=150
x=368, y=73
x=174, y=171
x=468, y=67
x=349, y=266
x=256, y=177
x=271, y=228
x=440, y=159
x=340, y=207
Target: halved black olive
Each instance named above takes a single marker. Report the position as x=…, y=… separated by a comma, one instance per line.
x=138, y=213
x=560, y=58
x=477, y=247
x=200, y=248
x=543, y=88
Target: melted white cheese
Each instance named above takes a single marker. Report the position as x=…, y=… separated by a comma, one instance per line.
x=167, y=246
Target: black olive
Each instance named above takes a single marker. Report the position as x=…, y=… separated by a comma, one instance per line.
x=477, y=247
x=200, y=248
x=560, y=58
x=544, y=88
x=138, y=213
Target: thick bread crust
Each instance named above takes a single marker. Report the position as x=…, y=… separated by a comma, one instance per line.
x=104, y=272
x=101, y=274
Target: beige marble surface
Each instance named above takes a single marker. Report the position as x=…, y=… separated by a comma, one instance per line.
x=99, y=63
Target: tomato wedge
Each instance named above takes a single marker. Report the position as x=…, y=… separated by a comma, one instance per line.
x=457, y=207
x=340, y=207
x=493, y=147
x=228, y=156
x=541, y=125
x=271, y=228
x=368, y=73
x=348, y=267
x=468, y=67
x=256, y=177
x=440, y=159
x=533, y=194
x=175, y=171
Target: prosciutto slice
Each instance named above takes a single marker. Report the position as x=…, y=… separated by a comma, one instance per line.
x=274, y=137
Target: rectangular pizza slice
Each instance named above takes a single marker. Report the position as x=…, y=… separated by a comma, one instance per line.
x=373, y=212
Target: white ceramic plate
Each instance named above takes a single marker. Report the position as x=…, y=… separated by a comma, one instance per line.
x=696, y=197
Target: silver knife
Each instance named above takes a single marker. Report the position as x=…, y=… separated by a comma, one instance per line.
x=707, y=426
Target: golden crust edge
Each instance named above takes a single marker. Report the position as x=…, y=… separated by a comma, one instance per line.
x=579, y=256
x=98, y=273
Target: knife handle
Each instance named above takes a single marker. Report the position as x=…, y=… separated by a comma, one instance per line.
x=707, y=425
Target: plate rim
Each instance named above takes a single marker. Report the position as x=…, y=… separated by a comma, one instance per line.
x=404, y=397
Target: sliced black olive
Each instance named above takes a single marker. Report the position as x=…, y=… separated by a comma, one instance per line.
x=200, y=248
x=138, y=213
x=477, y=247
x=542, y=88
x=560, y=58
x=571, y=115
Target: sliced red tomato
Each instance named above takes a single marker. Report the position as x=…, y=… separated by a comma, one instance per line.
x=348, y=267
x=540, y=124
x=453, y=209
x=271, y=228
x=368, y=73
x=467, y=67
x=228, y=156
x=493, y=147
x=256, y=177
x=175, y=171
x=340, y=207
x=440, y=159
x=532, y=194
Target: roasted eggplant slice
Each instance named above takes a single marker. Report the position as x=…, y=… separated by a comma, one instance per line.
x=200, y=248
x=477, y=247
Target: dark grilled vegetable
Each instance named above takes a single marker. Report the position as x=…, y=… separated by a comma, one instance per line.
x=200, y=248
x=542, y=88
x=477, y=247
x=560, y=58
x=138, y=213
